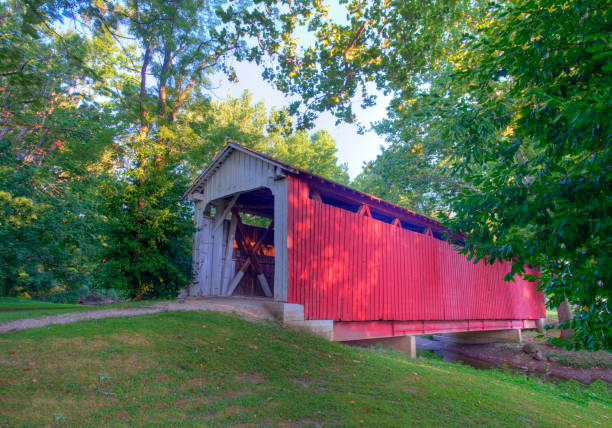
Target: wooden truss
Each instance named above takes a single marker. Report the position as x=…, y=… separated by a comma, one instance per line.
x=238, y=232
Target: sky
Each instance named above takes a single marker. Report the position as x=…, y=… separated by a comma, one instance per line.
x=353, y=148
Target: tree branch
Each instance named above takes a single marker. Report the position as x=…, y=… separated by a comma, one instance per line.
x=211, y=60
x=354, y=39
x=143, y=92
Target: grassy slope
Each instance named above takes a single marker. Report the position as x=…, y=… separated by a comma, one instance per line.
x=12, y=308
x=202, y=368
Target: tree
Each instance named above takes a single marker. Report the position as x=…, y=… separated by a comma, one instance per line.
x=214, y=123
x=407, y=175
x=386, y=45
x=171, y=48
x=52, y=132
x=539, y=80
x=315, y=153
x=509, y=104
x=104, y=129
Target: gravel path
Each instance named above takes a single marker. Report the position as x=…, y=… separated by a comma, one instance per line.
x=249, y=309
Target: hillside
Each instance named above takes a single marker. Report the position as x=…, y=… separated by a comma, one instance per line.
x=204, y=368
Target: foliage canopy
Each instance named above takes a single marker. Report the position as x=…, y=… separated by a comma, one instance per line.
x=499, y=124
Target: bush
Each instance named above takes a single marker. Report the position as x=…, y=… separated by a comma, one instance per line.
x=149, y=236
x=64, y=296
x=83, y=292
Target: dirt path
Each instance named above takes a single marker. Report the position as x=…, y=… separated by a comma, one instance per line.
x=250, y=309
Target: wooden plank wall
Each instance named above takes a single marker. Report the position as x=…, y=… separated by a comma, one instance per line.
x=348, y=267
x=239, y=172
x=249, y=284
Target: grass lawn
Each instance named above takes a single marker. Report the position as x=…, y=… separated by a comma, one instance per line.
x=204, y=368
x=12, y=308
x=552, y=314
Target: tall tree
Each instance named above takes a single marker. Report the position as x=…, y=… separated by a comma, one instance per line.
x=509, y=105
x=172, y=46
x=538, y=78
x=315, y=153
x=52, y=132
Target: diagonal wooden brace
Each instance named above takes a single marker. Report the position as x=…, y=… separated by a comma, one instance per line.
x=251, y=257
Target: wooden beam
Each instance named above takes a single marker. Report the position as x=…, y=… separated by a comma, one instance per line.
x=428, y=232
x=397, y=222
x=196, y=197
x=245, y=248
x=218, y=241
x=228, y=207
x=251, y=257
x=247, y=263
x=364, y=210
x=229, y=250
x=264, y=285
x=256, y=210
x=232, y=286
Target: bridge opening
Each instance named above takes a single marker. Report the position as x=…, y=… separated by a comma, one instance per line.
x=250, y=241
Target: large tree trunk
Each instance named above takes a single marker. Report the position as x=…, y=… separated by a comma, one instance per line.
x=564, y=312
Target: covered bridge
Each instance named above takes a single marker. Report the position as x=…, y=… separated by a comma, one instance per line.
x=367, y=267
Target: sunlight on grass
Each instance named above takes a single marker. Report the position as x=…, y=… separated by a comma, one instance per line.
x=204, y=368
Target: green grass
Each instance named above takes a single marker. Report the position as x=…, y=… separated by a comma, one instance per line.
x=208, y=369
x=552, y=314
x=12, y=308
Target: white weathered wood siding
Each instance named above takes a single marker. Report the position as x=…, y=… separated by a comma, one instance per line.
x=281, y=213
x=236, y=172
x=202, y=253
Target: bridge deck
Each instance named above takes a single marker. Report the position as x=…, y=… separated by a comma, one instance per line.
x=344, y=331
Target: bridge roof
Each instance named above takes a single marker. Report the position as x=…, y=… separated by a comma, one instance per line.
x=338, y=190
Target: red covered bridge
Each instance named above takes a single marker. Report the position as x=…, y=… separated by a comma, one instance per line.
x=369, y=268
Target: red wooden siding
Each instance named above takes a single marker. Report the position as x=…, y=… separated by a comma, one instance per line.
x=349, y=267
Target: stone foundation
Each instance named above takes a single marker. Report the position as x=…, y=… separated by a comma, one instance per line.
x=487, y=336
